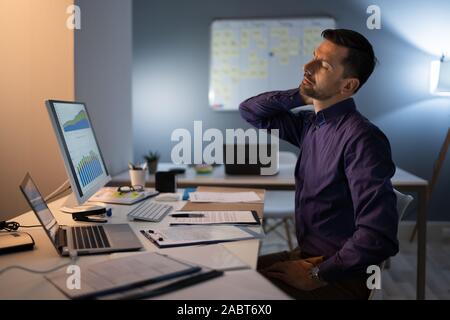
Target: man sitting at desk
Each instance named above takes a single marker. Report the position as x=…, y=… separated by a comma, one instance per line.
x=345, y=206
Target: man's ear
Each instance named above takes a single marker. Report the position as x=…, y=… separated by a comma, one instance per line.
x=350, y=85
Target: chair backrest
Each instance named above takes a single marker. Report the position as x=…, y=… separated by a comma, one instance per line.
x=287, y=157
x=403, y=201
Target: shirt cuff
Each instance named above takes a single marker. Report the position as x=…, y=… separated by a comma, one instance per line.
x=290, y=99
x=329, y=270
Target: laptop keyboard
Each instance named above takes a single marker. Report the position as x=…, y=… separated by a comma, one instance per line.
x=90, y=237
x=150, y=211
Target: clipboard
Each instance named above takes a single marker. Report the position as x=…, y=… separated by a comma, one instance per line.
x=257, y=206
x=195, y=235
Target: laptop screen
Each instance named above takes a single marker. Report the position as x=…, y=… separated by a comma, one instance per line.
x=39, y=206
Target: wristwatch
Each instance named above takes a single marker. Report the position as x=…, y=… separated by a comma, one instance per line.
x=314, y=274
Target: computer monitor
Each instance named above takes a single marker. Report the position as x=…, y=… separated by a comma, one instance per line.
x=79, y=148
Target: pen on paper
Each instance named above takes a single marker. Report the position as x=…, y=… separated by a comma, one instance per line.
x=187, y=215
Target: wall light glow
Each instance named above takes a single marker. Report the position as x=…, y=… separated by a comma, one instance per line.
x=440, y=78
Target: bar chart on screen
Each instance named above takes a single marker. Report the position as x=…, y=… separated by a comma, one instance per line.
x=89, y=168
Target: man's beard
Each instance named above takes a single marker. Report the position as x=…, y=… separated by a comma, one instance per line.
x=314, y=94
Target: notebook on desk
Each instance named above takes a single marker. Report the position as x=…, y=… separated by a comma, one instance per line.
x=132, y=277
x=111, y=195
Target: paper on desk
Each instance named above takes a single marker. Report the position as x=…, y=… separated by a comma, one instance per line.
x=216, y=217
x=113, y=273
x=250, y=196
x=214, y=256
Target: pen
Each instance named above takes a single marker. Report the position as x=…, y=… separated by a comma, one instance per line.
x=187, y=215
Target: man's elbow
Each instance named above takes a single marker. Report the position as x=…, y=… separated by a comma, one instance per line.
x=390, y=249
x=394, y=249
x=244, y=111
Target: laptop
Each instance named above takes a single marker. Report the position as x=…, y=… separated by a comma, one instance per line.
x=89, y=239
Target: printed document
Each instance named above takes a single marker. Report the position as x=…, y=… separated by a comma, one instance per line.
x=214, y=217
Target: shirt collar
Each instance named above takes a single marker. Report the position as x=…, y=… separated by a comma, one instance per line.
x=335, y=110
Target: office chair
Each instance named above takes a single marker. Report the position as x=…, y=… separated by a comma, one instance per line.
x=403, y=201
x=280, y=205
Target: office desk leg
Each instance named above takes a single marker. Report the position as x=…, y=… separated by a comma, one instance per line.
x=421, y=243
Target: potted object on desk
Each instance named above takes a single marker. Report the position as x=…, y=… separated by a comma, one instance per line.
x=152, y=159
x=203, y=168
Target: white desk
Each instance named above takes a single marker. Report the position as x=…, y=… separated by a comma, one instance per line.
x=18, y=284
x=284, y=180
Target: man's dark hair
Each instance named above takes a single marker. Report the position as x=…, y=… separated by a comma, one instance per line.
x=360, y=60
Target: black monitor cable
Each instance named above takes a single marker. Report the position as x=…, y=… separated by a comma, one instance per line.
x=14, y=226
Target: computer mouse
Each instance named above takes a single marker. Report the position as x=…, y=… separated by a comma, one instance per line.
x=168, y=197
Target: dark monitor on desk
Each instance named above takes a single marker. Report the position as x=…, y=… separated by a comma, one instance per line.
x=79, y=148
x=246, y=160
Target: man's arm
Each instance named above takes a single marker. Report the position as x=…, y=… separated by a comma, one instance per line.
x=271, y=110
x=369, y=168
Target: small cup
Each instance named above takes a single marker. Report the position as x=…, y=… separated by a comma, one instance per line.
x=137, y=177
x=166, y=181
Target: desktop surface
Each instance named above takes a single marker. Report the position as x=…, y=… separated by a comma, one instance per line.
x=283, y=180
x=17, y=284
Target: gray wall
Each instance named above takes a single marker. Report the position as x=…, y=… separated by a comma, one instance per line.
x=103, y=67
x=171, y=61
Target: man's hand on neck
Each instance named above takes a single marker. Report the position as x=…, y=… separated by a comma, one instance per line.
x=306, y=99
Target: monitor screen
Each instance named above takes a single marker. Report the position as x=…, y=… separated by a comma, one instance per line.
x=78, y=144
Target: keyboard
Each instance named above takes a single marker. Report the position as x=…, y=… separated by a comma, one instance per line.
x=150, y=211
x=90, y=237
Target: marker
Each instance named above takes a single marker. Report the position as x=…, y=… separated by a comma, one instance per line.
x=188, y=215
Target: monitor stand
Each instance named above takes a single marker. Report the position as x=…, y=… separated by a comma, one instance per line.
x=71, y=206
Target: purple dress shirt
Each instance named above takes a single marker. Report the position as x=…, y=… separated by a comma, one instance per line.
x=345, y=206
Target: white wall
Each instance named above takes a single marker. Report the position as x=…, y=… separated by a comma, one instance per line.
x=103, y=67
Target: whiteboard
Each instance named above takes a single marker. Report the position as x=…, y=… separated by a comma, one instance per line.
x=249, y=57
